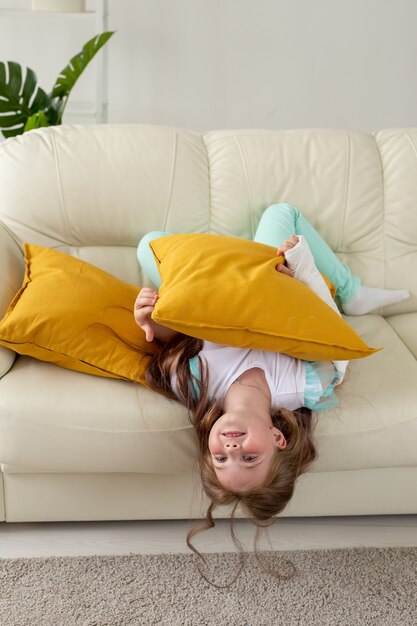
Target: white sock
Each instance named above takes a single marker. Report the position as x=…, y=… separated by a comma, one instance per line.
x=369, y=298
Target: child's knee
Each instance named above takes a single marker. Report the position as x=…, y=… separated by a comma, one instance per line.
x=143, y=253
x=146, y=258
x=284, y=209
x=143, y=247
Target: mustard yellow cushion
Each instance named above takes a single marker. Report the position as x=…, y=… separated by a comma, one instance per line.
x=75, y=315
x=227, y=290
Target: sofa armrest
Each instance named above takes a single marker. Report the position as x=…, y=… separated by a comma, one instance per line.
x=11, y=276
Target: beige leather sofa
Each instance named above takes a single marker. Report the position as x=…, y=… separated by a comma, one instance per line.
x=78, y=447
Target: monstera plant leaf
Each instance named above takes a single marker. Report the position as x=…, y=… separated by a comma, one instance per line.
x=37, y=120
x=24, y=105
x=71, y=73
x=20, y=98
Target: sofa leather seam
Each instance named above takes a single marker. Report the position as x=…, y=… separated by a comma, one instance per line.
x=379, y=429
x=412, y=146
x=103, y=432
x=171, y=180
x=383, y=206
x=339, y=245
x=59, y=183
x=209, y=207
x=139, y=407
x=248, y=189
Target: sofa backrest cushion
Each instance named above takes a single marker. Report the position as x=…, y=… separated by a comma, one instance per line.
x=94, y=191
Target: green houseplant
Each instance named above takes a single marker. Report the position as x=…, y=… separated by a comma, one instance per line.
x=24, y=105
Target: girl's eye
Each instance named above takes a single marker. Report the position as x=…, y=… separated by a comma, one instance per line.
x=248, y=458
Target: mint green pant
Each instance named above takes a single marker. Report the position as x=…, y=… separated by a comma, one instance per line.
x=146, y=258
x=278, y=223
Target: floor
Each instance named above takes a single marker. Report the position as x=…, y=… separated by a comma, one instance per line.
x=155, y=537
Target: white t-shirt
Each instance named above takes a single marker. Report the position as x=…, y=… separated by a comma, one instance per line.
x=284, y=374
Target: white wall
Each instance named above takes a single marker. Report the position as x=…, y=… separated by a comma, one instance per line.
x=205, y=64
x=265, y=63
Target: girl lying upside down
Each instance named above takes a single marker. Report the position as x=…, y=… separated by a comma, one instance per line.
x=251, y=409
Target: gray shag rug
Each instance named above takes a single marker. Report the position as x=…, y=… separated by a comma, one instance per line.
x=347, y=587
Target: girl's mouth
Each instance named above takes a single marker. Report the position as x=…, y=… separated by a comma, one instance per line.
x=233, y=433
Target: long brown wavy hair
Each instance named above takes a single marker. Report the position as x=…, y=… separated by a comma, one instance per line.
x=261, y=504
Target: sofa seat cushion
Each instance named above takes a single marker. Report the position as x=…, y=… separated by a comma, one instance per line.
x=405, y=325
x=56, y=420
x=376, y=422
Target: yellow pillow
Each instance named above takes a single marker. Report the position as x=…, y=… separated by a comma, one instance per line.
x=75, y=315
x=227, y=290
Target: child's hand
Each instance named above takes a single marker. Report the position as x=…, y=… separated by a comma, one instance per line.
x=144, y=305
x=287, y=245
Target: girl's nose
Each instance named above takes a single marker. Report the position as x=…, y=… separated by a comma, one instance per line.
x=232, y=445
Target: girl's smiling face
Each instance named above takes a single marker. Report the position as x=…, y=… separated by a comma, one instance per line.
x=241, y=448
